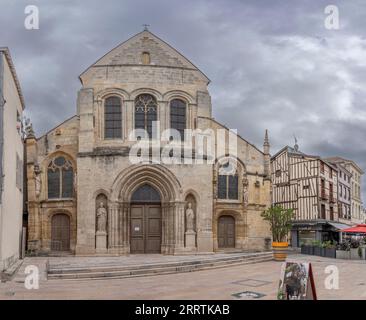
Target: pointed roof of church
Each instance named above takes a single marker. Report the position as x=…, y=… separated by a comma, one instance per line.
x=129, y=52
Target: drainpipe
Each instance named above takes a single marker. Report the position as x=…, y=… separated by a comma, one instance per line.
x=2, y=102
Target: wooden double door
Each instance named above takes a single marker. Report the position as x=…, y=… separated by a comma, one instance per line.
x=226, y=232
x=145, y=228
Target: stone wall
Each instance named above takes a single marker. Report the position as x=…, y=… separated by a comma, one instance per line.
x=60, y=141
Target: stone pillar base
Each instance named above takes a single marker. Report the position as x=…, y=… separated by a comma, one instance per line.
x=121, y=250
x=101, y=242
x=190, y=240
x=82, y=250
x=205, y=241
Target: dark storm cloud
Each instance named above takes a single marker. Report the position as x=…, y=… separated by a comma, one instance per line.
x=273, y=64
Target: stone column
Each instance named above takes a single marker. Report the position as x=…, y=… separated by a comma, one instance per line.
x=113, y=227
x=125, y=227
x=169, y=228
x=163, y=115
x=85, y=111
x=164, y=236
x=179, y=227
x=130, y=120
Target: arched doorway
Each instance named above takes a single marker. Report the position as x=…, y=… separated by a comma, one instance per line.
x=145, y=220
x=60, y=232
x=226, y=232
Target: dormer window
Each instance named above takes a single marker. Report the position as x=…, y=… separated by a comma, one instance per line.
x=145, y=58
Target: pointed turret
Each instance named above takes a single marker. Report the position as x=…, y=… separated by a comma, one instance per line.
x=267, y=157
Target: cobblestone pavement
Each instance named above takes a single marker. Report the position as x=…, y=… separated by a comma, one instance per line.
x=221, y=283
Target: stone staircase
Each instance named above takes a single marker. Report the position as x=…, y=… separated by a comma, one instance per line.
x=128, y=271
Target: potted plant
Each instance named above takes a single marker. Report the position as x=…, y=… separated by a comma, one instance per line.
x=362, y=249
x=355, y=249
x=280, y=223
x=306, y=248
x=343, y=250
x=318, y=250
x=329, y=249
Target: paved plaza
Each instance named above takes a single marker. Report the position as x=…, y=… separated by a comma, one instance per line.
x=223, y=283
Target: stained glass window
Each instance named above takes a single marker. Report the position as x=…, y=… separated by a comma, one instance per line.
x=178, y=116
x=113, y=118
x=228, y=182
x=60, y=178
x=145, y=113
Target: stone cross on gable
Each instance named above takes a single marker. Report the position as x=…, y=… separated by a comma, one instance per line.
x=146, y=27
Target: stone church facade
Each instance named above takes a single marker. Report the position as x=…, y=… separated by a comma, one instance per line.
x=85, y=196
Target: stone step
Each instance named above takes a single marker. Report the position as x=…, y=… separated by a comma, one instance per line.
x=9, y=273
x=150, y=272
x=83, y=269
x=157, y=269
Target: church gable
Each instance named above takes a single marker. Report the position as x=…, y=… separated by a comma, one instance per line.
x=145, y=49
x=64, y=136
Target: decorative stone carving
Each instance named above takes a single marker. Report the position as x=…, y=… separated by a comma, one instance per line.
x=245, y=192
x=101, y=236
x=29, y=132
x=38, y=180
x=190, y=217
x=190, y=233
x=101, y=218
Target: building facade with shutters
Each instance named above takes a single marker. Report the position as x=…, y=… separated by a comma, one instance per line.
x=87, y=195
x=11, y=162
x=309, y=185
x=356, y=186
x=344, y=194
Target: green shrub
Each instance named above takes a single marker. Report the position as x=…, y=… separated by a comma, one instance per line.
x=328, y=244
x=317, y=243
x=280, y=222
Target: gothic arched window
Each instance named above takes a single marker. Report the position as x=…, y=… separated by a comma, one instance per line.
x=228, y=181
x=112, y=118
x=60, y=177
x=146, y=110
x=178, y=116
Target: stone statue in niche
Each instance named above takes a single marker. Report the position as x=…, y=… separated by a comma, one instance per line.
x=245, y=192
x=38, y=181
x=190, y=217
x=102, y=218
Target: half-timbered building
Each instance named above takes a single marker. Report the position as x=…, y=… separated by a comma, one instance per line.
x=355, y=184
x=309, y=185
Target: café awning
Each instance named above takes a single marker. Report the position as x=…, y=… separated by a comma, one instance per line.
x=360, y=228
x=338, y=226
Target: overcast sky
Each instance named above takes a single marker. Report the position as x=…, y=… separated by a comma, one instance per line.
x=272, y=64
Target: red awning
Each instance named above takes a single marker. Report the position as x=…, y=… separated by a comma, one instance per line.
x=360, y=228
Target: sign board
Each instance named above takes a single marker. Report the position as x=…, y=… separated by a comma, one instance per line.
x=296, y=282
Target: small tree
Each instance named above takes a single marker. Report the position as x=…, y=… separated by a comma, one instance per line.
x=280, y=222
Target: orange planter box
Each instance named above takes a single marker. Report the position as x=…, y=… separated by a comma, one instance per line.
x=280, y=250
